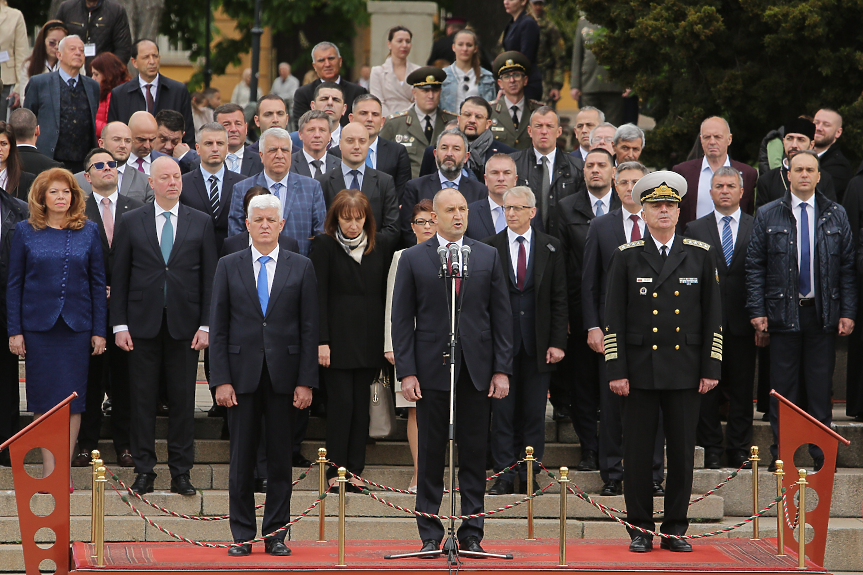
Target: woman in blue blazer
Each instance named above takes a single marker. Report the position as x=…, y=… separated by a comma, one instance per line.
x=56, y=297
x=522, y=35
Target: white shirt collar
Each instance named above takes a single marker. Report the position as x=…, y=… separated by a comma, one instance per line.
x=493, y=204
x=660, y=244
x=706, y=166
x=551, y=155
x=735, y=217
x=513, y=237
x=346, y=170
x=519, y=105
x=606, y=201
x=627, y=213
x=175, y=211
x=373, y=147
x=443, y=242
x=238, y=153
x=112, y=198
x=442, y=178
x=220, y=175
x=583, y=152
x=795, y=201
x=256, y=254
x=310, y=159
x=336, y=134
x=133, y=161
x=283, y=181
x=155, y=83
x=422, y=116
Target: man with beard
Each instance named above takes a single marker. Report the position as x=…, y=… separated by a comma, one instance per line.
x=451, y=154
x=474, y=121
x=828, y=128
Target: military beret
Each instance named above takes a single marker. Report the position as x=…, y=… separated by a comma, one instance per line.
x=510, y=61
x=662, y=186
x=800, y=126
x=426, y=77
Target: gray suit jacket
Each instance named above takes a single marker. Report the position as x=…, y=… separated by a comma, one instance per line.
x=133, y=185
x=300, y=166
x=43, y=99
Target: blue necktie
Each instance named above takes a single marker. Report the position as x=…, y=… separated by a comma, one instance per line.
x=233, y=164
x=600, y=208
x=263, y=293
x=355, y=181
x=501, y=220
x=727, y=241
x=805, y=277
x=369, y=159
x=276, y=187
x=449, y=184
x=166, y=244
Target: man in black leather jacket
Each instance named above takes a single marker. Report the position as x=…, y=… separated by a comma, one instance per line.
x=802, y=292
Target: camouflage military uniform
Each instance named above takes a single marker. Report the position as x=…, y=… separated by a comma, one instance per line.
x=551, y=58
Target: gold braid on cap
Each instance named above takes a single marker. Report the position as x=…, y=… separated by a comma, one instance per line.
x=662, y=193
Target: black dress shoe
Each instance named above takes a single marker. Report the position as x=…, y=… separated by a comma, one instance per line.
x=641, y=544
x=676, y=545
x=81, y=460
x=299, y=460
x=711, y=461
x=240, y=550
x=429, y=545
x=819, y=463
x=736, y=460
x=589, y=461
x=276, y=547
x=501, y=486
x=217, y=411
x=143, y=483
x=182, y=484
x=770, y=468
x=561, y=414
x=318, y=410
x=470, y=543
x=612, y=487
x=658, y=491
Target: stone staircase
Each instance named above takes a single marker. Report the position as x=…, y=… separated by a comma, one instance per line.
x=388, y=463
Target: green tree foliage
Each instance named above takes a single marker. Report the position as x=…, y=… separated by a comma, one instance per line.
x=755, y=62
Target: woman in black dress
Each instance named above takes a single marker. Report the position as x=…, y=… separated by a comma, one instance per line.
x=522, y=35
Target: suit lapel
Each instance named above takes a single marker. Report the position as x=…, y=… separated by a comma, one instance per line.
x=148, y=220
x=431, y=249
x=370, y=185
x=183, y=221
x=201, y=189
x=651, y=255
x=541, y=255
x=415, y=128
x=55, y=95
x=126, y=180
x=617, y=227
x=484, y=214
x=332, y=162
x=91, y=210
x=247, y=276
x=743, y=229
x=675, y=258
x=283, y=270
x=290, y=193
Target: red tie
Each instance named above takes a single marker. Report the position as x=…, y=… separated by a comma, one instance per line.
x=458, y=279
x=636, y=231
x=151, y=105
x=521, y=265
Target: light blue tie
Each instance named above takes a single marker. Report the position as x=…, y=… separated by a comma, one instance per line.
x=727, y=241
x=263, y=292
x=276, y=192
x=805, y=256
x=233, y=164
x=600, y=208
x=449, y=184
x=500, y=224
x=166, y=244
x=355, y=182
x=369, y=162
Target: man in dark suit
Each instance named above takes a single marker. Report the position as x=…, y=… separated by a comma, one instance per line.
x=578, y=376
x=240, y=159
x=548, y=170
x=536, y=280
x=210, y=187
x=165, y=258
x=312, y=159
x=105, y=206
x=853, y=204
x=474, y=121
x=828, y=128
x=663, y=348
x=353, y=173
x=263, y=296
x=586, y=120
x=327, y=62
x=117, y=139
x=26, y=130
x=715, y=138
x=170, y=128
x=483, y=363
x=270, y=112
x=65, y=104
x=450, y=154
x=727, y=231
x=12, y=211
x=150, y=91
x=486, y=215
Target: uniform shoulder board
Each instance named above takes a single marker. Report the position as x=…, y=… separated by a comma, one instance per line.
x=453, y=114
x=498, y=106
x=534, y=104
x=701, y=245
x=634, y=244
x=397, y=114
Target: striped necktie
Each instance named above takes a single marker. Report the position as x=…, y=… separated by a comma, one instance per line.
x=727, y=240
x=214, y=194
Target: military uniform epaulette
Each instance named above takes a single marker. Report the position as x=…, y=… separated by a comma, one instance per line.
x=701, y=245
x=634, y=244
x=448, y=112
x=397, y=114
x=535, y=103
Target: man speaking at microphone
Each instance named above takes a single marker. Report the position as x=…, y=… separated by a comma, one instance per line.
x=483, y=360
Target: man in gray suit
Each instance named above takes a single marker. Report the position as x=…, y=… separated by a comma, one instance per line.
x=312, y=160
x=65, y=103
x=117, y=139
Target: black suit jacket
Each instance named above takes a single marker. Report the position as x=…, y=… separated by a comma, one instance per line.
x=378, y=188
x=420, y=320
x=732, y=278
x=691, y=171
x=425, y=187
x=300, y=166
x=393, y=160
x=126, y=99
x=574, y=214
x=196, y=194
x=140, y=274
x=12, y=211
x=305, y=94
x=429, y=166
x=242, y=337
x=579, y=161
x=773, y=185
x=251, y=164
x=549, y=276
x=34, y=161
x=835, y=162
x=566, y=180
x=93, y=211
x=25, y=180
x=480, y=223
x=240, y=242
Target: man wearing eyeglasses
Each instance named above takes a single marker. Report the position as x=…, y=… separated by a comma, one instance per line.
x=105, y=206
x=511, y=112
x=536, y=280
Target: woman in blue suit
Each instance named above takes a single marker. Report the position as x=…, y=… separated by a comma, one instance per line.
x=522, y=35
x=56, y=298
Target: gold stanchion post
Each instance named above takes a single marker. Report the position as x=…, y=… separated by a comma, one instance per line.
x=95, y=463
x=780, y=510
x=322, y=488
x=564, y=482
x=342, y=482
x=754, y=459
x=801, y=524
x=528, y=462
x=99, y=518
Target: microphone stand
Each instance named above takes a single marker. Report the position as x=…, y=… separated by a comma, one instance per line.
x=450, y=549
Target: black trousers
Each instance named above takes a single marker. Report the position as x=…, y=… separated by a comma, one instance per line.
x=472, y=409
x=277, y=412
x=349, y=393
x=641, y=409
x=803, y=362
x=11, y=398
x=580, y=370
x=738, y=380
x=518, y=419
x=107, y=371
x=181, y=366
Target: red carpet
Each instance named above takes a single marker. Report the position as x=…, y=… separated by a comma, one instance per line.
x=598, y=555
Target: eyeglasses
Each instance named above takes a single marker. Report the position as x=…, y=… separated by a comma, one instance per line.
x=101, y=165
x=512, y=76
x=421, y=222
x=516, y=209
x=602, y=139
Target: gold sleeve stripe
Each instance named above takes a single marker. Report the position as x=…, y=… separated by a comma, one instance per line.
x=714, y=355
x=610, y=356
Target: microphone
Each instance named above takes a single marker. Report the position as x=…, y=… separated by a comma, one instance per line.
x=454, y=260
x=465, y=256
x=441, y=252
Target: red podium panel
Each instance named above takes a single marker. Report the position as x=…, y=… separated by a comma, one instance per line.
x=51, y=431
x=796, y=428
